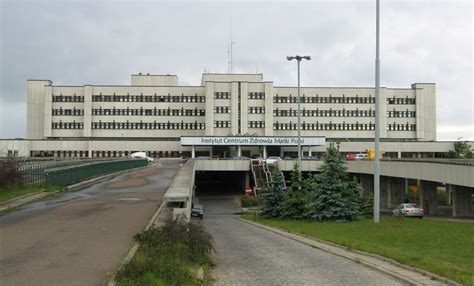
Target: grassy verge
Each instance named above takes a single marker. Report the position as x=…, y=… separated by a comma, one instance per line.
x=441, y=247
x=170, y=255
x=17, y=191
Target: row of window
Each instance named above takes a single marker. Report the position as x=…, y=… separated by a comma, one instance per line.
x=256, y=95
x=150, y=112
x=68, y=98
x=65, y=112
x=324, y=99
x=221, y=124
x=221, y=109
x=324, y=113
x=324, y=126
x=149, y=125
x=256, y=109
x=401, y=100
x=221, y=95
x=401, y=113
x=401, y=127
x=67, y=125
x=256, y=124
x=148, y=98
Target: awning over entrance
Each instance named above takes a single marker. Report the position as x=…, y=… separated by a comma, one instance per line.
x=252, y=141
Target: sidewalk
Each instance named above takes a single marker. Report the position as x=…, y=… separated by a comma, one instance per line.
x=388, y=266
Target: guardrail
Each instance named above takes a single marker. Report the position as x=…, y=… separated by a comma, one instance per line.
x=63, y=175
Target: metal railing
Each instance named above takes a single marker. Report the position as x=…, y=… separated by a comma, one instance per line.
x=63, y=174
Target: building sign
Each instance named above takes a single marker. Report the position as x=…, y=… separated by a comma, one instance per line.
x=251, y=141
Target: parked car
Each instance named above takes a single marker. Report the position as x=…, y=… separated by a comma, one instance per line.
x=240, y=158
x=197, y=211
x=273, y=160
x=141, y=155
x=360, y=156
x=408, y=210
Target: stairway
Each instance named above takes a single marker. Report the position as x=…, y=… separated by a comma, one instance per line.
x=262, y=173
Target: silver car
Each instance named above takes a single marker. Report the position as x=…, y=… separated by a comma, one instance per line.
x=408, y=210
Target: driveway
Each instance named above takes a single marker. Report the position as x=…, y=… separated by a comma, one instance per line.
x=248, y=255
x=79, y=238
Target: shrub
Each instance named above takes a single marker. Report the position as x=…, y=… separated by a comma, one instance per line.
x=9, y=172
x=167, y=255
x=249, y=201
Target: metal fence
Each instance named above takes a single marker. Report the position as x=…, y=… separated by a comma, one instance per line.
x=66, y=174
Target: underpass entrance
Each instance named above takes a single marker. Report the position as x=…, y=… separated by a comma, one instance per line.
x=219, y=183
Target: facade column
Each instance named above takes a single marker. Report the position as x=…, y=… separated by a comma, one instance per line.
x=193, y=151
x=264, y=152
x=309, y=151
x=462, y=200
x=428, y=199
x=389, y=193
x=449, y=194
x=399, y=156
x=239, y=151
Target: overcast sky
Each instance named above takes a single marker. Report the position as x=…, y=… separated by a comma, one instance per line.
x=93, y=42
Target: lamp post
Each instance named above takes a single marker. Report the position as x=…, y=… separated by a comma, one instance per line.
x=377, y=119
x=298, y=59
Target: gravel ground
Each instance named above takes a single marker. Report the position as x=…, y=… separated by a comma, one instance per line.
x=247, y=255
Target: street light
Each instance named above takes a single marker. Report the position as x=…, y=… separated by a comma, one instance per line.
x=298, y=59
x=377, y=118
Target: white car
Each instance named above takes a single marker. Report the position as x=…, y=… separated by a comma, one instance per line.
x=141, y=155
x=272, y=160
x=360, y=156
x=408, y=210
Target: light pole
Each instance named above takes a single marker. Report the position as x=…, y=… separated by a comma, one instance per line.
x=298, y=59
x=377, y=119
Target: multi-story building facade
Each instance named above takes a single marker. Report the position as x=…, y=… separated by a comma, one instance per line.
x=154, y=112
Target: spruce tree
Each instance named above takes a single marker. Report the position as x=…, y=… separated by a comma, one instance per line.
x=295, y=197
x=334, y=196
x=273, y=196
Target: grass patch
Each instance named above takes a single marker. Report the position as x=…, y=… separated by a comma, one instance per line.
x=12, y=192
x=170, y=255
x=442, y=247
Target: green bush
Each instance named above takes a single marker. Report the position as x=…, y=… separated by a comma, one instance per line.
x=249, y=201
x=168, y=256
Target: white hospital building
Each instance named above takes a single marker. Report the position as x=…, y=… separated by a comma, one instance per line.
x=157, y=115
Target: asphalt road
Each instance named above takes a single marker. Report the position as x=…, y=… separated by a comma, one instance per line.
x=79, y=238
x=248, y=255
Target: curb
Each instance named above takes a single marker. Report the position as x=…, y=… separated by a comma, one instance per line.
x=425, y=277
x=23, y=200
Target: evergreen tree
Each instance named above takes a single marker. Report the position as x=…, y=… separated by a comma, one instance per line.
x=334, y=196
x=295, y=197
x=273, y=196
x=462, y=150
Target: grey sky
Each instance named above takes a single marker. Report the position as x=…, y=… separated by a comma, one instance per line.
x=76, y=43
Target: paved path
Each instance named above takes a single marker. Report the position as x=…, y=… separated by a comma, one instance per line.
x=79, y=238
x=248, y=255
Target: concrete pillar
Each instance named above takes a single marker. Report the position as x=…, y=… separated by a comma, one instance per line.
x=428, y=199
x=264, y=152
x=239, y=151
x=367, y=183
x=385, y=194
x=462, y=200
x=399, y=154
x=247, y=179
x=309, y=151
x=193, y=151
x=449, y=195
x=397, y=191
